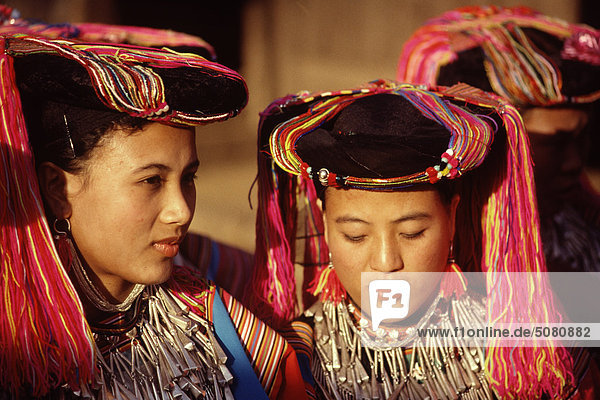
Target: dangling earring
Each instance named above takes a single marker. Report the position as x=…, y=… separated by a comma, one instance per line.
x=451, y=259
x=454, y=281
x=327, y=285
x=64, y=246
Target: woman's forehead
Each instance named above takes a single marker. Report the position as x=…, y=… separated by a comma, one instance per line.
x=155, y=143
x=355, y=201
x=549, y=121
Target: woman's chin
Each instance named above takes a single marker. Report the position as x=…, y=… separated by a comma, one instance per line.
x=157, y=275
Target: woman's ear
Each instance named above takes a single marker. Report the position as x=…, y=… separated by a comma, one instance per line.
x=320, y=205
x=54, y=185
x=453, y=206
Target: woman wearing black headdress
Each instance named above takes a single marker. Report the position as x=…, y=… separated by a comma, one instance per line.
x=411, y=180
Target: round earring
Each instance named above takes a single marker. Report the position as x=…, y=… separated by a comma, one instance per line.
x=62, y=227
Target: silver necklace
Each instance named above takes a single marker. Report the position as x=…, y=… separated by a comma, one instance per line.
x=438, y=367
x=172, y=354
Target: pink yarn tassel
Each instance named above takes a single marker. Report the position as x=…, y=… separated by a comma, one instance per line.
x=327, y=286
x=316, y=253
x=272, y=294
x=514, y=245
x=453, y=282
x=44, y=338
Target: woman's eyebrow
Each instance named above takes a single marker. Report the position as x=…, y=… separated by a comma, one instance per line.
x=412, y=217
x=146, y=167
x=163, y=167
x=409, y=217
x=344, y=219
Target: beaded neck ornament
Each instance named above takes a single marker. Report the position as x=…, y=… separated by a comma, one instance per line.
x=526, y=57
x=48, y=62
x=499, y=204
x=353, y=363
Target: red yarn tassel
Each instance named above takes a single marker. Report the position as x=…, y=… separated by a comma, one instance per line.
x=453, y=282
x=315, y=247
x=271, y=296
x=44, y=337
x=328, y=286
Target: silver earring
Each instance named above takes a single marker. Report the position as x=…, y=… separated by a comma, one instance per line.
x=451, y=259
x=62, y=227
x=64, y=246
x=330, y=264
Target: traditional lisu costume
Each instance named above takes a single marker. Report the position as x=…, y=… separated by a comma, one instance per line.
x=533, y=61
x=184, y=339
x=388, y=136
x=227, y=266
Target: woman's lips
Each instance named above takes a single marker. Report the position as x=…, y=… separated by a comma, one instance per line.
x=168, y=249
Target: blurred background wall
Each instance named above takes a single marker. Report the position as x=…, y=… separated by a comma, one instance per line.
x=280, y=47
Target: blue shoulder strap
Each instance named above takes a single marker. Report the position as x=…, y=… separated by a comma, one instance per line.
x=215, y=257
x=245, y=382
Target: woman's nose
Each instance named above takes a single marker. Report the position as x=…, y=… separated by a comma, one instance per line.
x=178, y=208
x=386, y=256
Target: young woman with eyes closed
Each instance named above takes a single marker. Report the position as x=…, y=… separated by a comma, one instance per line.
x=401, y=231
x=390, y=178
x=94, y=305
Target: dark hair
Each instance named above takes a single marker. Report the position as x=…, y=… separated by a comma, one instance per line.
x=65, y=134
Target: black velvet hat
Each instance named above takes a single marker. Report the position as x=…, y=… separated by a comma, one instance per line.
x=155, y=84
x=383, y=138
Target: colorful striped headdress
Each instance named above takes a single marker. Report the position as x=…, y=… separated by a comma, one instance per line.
x=44, y=338
x=518, y=53
x=484, y=143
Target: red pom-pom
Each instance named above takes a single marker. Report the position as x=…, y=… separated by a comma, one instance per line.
x=331, y=181
x=433, y=174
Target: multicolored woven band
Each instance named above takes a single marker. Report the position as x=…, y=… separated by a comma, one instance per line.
x=125, y=78
x=517, y=68
x=471, y=135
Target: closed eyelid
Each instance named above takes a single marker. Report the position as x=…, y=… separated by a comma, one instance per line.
x=414, y=234
x=354, y=238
